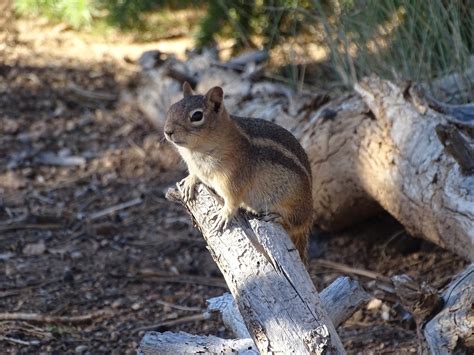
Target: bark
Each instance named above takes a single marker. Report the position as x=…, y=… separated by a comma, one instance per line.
x=342, y=298
x=452, y=329
x=370, y=152
x=183, y=343
x=273, y=291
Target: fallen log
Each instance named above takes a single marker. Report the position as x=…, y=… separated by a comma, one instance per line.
x=183, y=343
x=405, y=168
x=273, y=291
x=370, y=152
x=452, y=329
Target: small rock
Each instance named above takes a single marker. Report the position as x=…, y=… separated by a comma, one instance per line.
x=80, y=349
x=37, y=248
x=68, y=275
x=385, y=312
x=117, y=303
x=114, y=336
x=374, y=303
x=136, y=306
x=76, y=254
x=357, y=316
x=6, y=256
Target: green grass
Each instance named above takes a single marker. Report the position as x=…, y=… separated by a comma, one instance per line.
x=400, y=39
x=77, y=13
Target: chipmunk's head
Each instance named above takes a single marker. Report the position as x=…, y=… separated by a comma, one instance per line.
x=191, y=121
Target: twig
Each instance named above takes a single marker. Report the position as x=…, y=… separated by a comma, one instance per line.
x=19, y=341
x=17, y=290
x=50, y=158
x=177, y=321
x=91, y=95
x=12, y=327
x=44, y=318
x=183, y=279
x=112, y=209
x=346, y=269
x=13, y=227
x=177, y=306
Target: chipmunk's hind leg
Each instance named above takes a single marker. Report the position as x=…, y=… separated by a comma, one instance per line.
x=300, y=239
x=223, y=218
x=273, y=217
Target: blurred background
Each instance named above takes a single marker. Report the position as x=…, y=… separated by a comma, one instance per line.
x=396, y=39
x=85, y=229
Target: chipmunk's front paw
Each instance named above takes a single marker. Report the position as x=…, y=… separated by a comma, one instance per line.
x=188, y=185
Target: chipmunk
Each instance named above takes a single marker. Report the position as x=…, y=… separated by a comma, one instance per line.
x=251, y=163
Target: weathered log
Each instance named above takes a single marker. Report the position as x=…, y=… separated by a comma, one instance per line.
x=183, y=343
x=407, y=171
x=230, y=314
x=452, y=329
x=368, y=153
x=341, y=299
x=266, y=277
x=240, y=62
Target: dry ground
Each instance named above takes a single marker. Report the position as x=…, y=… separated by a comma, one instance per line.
x=63, y=254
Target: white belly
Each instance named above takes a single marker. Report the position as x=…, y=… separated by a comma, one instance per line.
x=204, y=166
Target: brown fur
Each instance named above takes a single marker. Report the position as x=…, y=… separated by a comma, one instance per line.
x=251, y=163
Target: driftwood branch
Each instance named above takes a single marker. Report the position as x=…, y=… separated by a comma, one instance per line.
x=183, y=343
x=266, y=277
x=341, y=298
x=230, y=314
x=453, y=328
x=45, y=318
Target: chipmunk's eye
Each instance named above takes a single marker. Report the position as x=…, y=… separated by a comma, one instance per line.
x=196, y=117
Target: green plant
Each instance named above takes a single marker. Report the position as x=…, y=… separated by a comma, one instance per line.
x=128, y=14
x=77, y=13
x=409, y=39
x=243, y=20
x=124, y=14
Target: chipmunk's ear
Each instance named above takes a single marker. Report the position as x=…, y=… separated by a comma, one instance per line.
x=214, y=97
x=187, y=89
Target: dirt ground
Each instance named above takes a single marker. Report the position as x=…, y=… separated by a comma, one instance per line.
x=67, y=156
